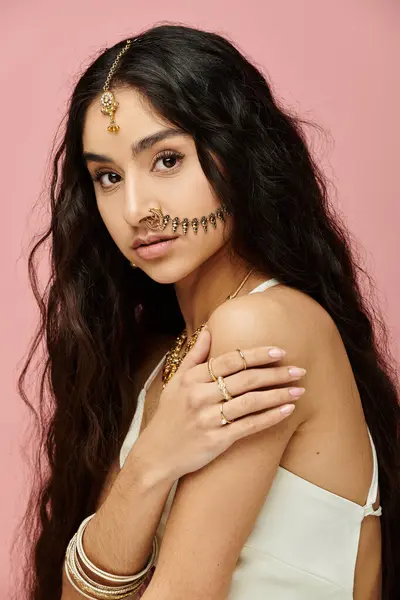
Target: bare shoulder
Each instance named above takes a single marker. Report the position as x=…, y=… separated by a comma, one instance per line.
x=282, y=315
x=294, y=321
x=334, y=426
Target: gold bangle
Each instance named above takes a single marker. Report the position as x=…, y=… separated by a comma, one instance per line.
x=81, y=581
x=97, y=591
x=75, y=580
x=128, y=588
x=110, y=577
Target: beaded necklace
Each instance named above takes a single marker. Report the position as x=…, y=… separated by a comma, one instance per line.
x=174, y=357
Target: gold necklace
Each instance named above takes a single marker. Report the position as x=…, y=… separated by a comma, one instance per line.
x=174, y=357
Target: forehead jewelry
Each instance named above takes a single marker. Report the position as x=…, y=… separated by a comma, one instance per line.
x=158, y=221
x=108, y=102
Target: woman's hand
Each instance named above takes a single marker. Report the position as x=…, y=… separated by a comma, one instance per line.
x=186, y=433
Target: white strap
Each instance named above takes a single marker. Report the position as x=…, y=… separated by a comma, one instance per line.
x=373, y=490
x=369, y=510
x=153, y=374
x=264, y=285
x=133, y=432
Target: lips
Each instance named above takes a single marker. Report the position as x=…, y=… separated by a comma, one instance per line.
x=156, y=250
x=152, y=239
x=155, y=242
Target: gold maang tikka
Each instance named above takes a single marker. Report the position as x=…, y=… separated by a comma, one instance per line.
x=108, y=102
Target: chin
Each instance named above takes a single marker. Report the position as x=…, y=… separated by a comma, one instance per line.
x=164, y=273
x=169, y=271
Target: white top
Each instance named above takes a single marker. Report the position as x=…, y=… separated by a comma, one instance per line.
x=305, y=540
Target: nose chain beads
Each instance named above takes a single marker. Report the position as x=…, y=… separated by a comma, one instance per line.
x=158, y=221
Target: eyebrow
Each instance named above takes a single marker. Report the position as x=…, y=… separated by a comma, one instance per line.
x=139, y=146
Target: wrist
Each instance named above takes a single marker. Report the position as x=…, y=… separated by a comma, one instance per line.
x=148, y=471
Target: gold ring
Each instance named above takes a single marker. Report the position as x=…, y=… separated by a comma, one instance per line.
x=224, y=420
x=223, y=389
x=243, y=358
x=209, y=364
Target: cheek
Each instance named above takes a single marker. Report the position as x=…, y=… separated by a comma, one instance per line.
x=193, y=195
x=105, y=215
x=198, y=199
x=203, y=245
x=110, y=220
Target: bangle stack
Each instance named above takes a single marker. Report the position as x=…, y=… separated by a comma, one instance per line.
x=123, y=585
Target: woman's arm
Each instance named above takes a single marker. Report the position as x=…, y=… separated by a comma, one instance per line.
x=215, y=508
x=119, y=537
x=180, y=439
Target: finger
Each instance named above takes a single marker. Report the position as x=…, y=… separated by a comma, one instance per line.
x=198, y=353
x=253, y=402
x=257, y=422
x=248, y=381
x=232, y=362
x=253, y=379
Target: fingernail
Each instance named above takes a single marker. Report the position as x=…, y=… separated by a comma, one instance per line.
x=296, y=391
x=296, y=371
x=276, y=352
x=287, y=409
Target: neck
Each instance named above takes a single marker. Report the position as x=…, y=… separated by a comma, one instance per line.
x=207, y=287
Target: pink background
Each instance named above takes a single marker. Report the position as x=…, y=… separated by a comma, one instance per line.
x=335, y=62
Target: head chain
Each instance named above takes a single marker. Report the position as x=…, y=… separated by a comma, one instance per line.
x=108, y=102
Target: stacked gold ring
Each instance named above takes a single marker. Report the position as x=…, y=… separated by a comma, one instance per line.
x=210, y=369
x=227, y=396
x=224, y=420
x=243, y=358
x=209, y=364
x=223, y=389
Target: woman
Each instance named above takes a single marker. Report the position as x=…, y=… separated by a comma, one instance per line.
x=176, y=136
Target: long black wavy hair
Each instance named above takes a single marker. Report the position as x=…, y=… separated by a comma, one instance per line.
x=97, y=314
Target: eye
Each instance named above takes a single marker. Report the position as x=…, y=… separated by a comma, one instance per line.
x=170, y=156
x=165, y=155
x=100, y=173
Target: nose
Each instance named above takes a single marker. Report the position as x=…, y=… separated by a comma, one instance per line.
x=136, y=204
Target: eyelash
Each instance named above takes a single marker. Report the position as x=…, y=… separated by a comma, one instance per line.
x=98, y=174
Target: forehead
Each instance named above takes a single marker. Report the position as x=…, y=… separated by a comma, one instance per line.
x=134, y=115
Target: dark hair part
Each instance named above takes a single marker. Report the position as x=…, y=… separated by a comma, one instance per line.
x=97, y=313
